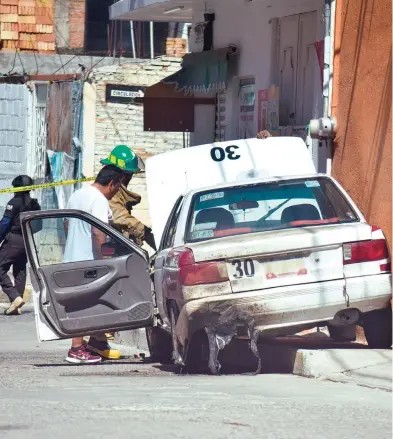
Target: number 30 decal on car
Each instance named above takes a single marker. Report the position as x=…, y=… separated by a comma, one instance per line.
x=244, y=268
x=218, y=154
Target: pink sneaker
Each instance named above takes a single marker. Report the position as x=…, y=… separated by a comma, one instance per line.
x=82, y=356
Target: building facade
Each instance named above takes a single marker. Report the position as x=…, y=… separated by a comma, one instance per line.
x=108, y=122
x=293, y=61
x=362, y=105
x=83, y=27
x=256, y=65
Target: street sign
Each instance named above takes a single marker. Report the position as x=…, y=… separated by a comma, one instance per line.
x=124, y=94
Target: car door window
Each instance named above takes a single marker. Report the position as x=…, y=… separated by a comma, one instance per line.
x=66, y=240
x=170, y=230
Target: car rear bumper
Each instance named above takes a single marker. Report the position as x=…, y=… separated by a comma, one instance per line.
x=284, y=310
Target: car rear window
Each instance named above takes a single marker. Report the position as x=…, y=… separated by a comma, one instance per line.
x=267, y=206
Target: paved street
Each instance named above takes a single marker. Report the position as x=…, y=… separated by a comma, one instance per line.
x=43, y=397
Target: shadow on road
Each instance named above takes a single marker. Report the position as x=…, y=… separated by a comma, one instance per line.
x=278, y=356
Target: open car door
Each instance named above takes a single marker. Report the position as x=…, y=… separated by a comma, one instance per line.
x=109, y=293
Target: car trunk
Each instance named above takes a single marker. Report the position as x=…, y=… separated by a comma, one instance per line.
x=282, y=257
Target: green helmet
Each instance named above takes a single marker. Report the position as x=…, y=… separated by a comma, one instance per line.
x=123, y=158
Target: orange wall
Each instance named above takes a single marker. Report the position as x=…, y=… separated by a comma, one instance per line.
x=362, y=104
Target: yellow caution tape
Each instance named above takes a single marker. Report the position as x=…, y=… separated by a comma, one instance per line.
x=44, y=185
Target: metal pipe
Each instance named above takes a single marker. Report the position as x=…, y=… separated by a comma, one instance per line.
x=114, y=40
x=132, y=39
x=151, y=40
x=327, y=45
x=332, y=33
x=121, y=39
x=327, y=71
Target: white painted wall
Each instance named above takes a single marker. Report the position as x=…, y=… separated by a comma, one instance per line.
x=89, y=128
x=204, y=124
x=247, y=24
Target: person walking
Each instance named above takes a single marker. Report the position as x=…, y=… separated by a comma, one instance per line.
x=84, y=243
x=124, y=158
x=12, y=251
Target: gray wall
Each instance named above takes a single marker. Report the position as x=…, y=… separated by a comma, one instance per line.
x=13, y=135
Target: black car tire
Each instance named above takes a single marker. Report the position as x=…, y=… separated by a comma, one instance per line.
x=160, y=345
x=377, y=327
x=197, y=357
x=197, y=360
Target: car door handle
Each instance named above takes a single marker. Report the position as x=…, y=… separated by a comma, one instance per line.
x=91, y=274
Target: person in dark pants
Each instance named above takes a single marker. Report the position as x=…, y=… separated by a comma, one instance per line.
x=12, y=251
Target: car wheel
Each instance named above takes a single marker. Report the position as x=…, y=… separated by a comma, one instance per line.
x=197, y=360
x=160, y=345
x=377, y=327
x=197, y=355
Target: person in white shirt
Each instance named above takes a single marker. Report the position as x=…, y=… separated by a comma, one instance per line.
x=84, y=244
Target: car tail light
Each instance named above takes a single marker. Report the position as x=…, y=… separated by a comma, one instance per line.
x=192, y=273
x=387, y=268
x=365, y=251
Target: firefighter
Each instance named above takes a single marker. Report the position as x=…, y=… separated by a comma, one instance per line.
x=123, y=202
x=12, y=251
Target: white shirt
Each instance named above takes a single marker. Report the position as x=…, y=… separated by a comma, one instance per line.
x=79, y=246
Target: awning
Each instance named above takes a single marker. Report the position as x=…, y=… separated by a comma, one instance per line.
x=205, y=71
x=152, y=10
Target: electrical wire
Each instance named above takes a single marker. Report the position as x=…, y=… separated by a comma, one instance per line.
x=35, y=58
x=13, y=64
x=62, y=67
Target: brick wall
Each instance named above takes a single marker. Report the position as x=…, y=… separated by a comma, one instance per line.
x=77, y=19
x=13, y=127
x=27, y=25
x=176, y=47
x=120, y=123
x=13, y=139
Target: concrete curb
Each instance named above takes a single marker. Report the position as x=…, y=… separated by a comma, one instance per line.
x=362, y=366
x=135, y=338
x=366, y=367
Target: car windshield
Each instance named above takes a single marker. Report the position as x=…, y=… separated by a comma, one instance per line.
x=267, y=206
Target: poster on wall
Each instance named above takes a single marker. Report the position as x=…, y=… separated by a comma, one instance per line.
x=272, y=111
x=262, y=109
x=246, y=114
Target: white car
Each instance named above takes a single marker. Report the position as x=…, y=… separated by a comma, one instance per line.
x=265, y=256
